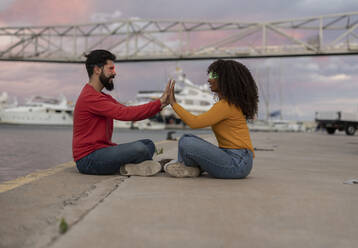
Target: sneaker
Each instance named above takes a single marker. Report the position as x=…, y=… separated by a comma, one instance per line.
x=163, y=162
x=181, y=170
x=145, y=168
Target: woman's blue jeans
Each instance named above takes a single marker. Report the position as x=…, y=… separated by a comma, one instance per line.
x=218, y=162
x=108, y=160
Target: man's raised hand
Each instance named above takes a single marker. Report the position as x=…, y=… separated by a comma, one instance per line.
x=164, y=99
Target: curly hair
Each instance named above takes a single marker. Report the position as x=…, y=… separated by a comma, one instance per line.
x=236, y=85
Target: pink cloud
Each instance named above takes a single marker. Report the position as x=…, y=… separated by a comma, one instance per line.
x=47, y=12
x=322, y=84
x=203, y=38
x=297, y=34
x=23, y=80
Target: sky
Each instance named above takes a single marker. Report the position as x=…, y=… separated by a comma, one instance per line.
x=297, y=86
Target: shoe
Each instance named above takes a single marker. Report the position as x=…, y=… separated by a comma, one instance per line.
x=144, y=169
x=163, y=162
x=180, y=170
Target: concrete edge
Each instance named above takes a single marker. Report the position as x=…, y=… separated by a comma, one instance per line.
x=12, y=184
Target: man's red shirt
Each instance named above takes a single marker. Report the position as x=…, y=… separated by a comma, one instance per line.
x=93, y=119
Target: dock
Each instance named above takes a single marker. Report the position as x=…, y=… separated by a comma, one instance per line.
x=297, y=195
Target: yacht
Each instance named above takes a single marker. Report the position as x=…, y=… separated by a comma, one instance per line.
x=39, y=110
x=194, y=98
x=260, y=126
x=122, y=124
x=146, y=124
x=3, y=100
x=277, y=126
x=149, y=124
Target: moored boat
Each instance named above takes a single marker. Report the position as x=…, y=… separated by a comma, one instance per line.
x=39, y=110
x=194, y=98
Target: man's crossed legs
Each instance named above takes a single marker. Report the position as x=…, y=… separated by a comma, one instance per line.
x=134, y=158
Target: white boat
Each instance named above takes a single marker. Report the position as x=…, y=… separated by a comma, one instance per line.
x=260, y=126
x=277, y=126
x=196, y=99
x=289, y=126
x=39, y=110
x=122, y=124
x=3, y=100
x=148, y=124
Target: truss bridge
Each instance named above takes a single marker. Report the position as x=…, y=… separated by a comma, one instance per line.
x=155, y=40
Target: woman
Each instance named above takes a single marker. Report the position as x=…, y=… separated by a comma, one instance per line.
x=237, y=93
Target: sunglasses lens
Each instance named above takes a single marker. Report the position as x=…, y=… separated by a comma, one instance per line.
x=213, y=75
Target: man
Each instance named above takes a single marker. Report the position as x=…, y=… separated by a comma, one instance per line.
x=93, y=150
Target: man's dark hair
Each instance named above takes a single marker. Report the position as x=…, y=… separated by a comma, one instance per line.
x=97, y=58
x=236, y=85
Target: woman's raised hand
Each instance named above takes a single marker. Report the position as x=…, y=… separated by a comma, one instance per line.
x=172, y=94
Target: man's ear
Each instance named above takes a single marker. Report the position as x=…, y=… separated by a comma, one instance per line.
x=97, y=69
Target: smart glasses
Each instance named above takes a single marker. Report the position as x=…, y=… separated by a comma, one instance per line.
x=213, y=75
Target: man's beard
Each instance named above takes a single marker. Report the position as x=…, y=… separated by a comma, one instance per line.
x=106, y=81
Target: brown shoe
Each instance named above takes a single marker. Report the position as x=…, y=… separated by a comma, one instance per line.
x=144, y=169
x=181, y=170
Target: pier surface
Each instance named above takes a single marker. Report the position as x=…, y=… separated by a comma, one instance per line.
x=295, y=196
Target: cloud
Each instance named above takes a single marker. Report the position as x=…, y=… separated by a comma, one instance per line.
x=307, y=65
x=103, y=17
x=326, y=6
x=27, y=79
x=5, y=3
x=306, y=110
x=347, y=104
x=46, y=12
x=300, y=86
x=253, y=10
x=337, y=78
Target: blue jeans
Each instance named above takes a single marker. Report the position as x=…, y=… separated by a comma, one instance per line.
x=218, y=162
x=108, y=160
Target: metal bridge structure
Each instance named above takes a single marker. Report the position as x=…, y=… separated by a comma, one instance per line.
x=158, y=40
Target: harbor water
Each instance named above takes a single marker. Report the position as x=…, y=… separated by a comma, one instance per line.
x=25, y=149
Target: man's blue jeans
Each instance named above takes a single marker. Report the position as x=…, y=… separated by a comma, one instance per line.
x=108, y=160
x=218, y=162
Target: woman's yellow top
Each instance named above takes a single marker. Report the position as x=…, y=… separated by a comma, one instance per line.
x=227, y=122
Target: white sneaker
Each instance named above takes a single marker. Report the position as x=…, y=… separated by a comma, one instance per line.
x=145, y=168
x=181, y=170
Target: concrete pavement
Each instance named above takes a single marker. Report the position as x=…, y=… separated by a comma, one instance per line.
x=294, y=197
